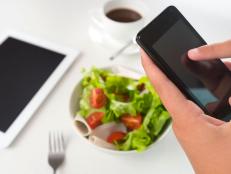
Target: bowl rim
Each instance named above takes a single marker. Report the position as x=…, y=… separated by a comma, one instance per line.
x=72, y=96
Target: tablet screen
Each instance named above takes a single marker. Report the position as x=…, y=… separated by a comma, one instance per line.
x=24, y=68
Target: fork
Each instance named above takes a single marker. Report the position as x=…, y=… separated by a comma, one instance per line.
x=56, y=150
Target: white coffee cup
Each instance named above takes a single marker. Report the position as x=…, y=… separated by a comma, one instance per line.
x=121, y=31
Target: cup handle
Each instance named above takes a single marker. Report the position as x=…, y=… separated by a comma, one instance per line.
x=96, y=18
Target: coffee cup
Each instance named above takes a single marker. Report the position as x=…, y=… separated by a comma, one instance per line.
x=121, y=19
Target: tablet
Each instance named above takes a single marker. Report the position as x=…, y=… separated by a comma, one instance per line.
x=29, y=69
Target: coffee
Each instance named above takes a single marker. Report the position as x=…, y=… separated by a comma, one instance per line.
x=123, y=15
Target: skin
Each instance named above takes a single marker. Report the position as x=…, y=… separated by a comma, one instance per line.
x=205, y=140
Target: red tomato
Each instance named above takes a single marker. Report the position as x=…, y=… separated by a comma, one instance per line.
x=116, y=136
x=95, y=119
x=132, y=122
x=98, y=99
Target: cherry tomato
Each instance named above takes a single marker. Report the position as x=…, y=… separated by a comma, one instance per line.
x=95, y=119
x=98, y=99
x=132, y=122
x=116, y=136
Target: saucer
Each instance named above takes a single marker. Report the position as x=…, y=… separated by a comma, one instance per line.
x=101, y=37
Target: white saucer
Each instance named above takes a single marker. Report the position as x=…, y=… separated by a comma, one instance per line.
x=101, y=37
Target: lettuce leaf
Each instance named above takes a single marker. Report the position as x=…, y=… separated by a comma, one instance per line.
x=120, y=108
x=118, y=84
x=143, y=102
x=95, y=77
x=109, y=117
x=155, y=120
x=148, y=86
x=136, y=140
x=85, y=107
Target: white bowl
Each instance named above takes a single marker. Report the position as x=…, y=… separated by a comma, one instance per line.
x=74, y=107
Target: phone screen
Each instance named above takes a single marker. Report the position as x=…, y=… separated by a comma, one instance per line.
x=209, y=82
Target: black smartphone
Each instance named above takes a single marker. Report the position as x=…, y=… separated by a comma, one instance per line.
x=167, y=40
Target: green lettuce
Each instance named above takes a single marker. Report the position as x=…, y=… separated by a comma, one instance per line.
x=155, y=120
x=142, y=102
x=95, y=77
x=121, y=108
x=136, y=140
x=118, y=84
x=109, y=117
x=148, y=86
x=85, y=107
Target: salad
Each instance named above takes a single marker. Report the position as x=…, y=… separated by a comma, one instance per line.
x=107, y=97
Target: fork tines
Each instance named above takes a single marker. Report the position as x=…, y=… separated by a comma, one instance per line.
x=56, y=142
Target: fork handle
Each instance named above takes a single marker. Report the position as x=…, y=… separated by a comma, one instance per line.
x=54, y=171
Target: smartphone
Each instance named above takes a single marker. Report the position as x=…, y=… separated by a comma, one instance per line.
x=167, y=40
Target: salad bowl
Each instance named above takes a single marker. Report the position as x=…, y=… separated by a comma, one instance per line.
x=98, y=137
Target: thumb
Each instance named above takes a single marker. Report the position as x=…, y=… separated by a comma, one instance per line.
x=213, y=51
x=230, y=101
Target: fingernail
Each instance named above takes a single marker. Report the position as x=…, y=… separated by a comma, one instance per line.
x=193, y=53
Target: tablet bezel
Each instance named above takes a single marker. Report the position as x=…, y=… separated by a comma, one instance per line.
x=7, y=137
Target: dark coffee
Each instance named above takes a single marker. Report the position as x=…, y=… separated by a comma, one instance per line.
x=123, y=15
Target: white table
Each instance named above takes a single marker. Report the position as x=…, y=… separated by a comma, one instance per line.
x=65, y=22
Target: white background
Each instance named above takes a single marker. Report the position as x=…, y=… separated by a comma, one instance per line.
x=65, y=22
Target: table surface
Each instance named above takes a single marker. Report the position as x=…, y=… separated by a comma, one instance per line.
x=65, y=22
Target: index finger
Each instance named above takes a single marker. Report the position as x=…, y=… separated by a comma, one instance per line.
x=213, y=51
x=175, y=102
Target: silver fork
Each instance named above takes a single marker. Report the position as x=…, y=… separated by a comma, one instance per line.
x=56, y=150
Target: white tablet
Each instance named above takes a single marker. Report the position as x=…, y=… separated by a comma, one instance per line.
x=29, y=69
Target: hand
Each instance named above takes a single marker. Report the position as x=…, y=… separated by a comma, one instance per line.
x=213, y=51
x=205, y=140
x=211, y=73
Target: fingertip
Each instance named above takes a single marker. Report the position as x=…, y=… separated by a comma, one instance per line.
x=194, y=54
x=230, y=101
